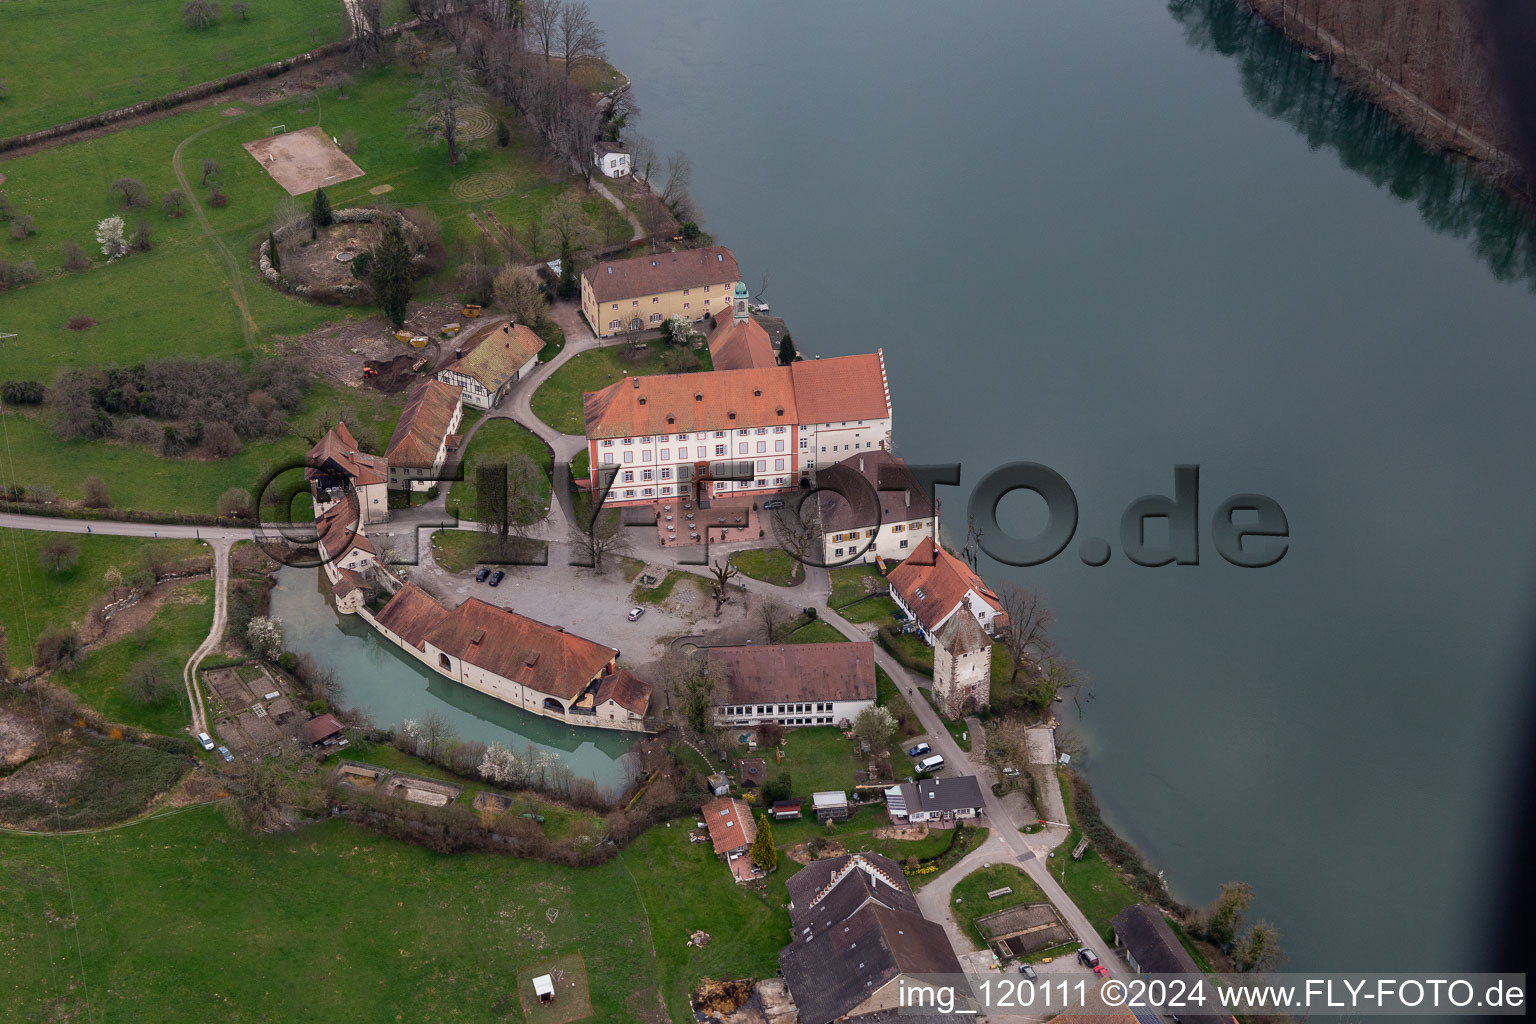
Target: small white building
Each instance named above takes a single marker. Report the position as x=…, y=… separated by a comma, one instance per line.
x=612, y=158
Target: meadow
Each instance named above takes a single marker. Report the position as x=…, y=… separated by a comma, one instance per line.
x=196, y=293
x=164, y=919
x=78, y=59
x=167, y=640
x=33, y=598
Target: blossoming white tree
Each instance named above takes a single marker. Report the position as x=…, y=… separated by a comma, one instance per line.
x=264, y=636
x=109, y=234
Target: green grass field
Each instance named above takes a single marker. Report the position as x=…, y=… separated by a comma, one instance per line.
x=496, y=444
x=970, y=896
x=140, y=479
x=180, y=298
x=79, y=63
x=771, y=565
x=818, y=758
x=1094, y=886
x=382, y=930
x=179, y=625
x=33, y=598
x=817, y=632
x=851, y=582
x=558, y=400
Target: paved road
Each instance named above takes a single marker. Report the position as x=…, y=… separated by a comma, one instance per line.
x=113, y=528
x=1000, y=819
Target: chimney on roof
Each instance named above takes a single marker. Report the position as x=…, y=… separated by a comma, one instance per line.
x=909, y=497
x=861, y=463
x=637, y=383
x=719, y=257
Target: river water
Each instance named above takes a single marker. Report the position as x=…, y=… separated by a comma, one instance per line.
x=374, y=675
x=1118, y=236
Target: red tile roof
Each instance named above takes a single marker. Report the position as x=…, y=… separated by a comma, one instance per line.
x=684, y=402
x=730, y=823
x=541, y=657
x=348, y=580
x=339, y=446
x=781, y=673
x=423, y=424
x=625, y=690
x=837, y=389
x=841, y=388
x=740, y=345
x=338, y=530
x=932, y=582
x=663, y=272
x=411, y=613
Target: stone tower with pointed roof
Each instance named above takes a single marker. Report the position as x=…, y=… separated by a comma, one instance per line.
x=962, y=665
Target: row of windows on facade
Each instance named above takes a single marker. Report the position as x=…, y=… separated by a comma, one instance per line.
x=722, y=485
x=657, y=298
x=665, y=473
x=740, y=432
x=651, y=438
x=838, y=552
x=703, y=452
x=721, y=450
x=736, y=710
x=915, y=527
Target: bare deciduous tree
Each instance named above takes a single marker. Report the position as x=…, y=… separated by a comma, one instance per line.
x=577, y=35
x=1028, y=636
x=447, y=87
x=199, y=14
x=723, y=572
x=542, y=18
x=773, y=615
x=521, y=295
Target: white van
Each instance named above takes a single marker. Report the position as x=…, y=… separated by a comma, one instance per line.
x=931, y=764
x=205, y=741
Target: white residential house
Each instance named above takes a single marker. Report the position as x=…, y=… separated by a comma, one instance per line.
x=612, y=158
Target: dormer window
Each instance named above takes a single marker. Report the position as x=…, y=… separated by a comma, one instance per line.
x=642, y=399
x=757, y=392
x=698, y=396
x=731, y=415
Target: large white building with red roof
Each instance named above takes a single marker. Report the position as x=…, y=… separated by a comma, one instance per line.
x=735, y=433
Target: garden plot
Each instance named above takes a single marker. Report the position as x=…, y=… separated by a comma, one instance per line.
x=302, y=161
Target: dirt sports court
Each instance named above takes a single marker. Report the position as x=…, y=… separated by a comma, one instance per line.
x=304, y=160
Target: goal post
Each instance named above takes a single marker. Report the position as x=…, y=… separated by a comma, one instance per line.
x=278, y=129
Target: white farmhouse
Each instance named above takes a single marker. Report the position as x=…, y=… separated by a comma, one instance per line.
x=612, y=159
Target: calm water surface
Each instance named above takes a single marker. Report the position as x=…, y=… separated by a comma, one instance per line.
x=1114, y=237
x=374, y=675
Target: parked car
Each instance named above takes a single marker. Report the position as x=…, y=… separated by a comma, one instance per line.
x=919, y=750
x=496, y=578
x=773, y=503
x=205, y=741
x=1011, y=772
x=1028, y=970
x=635, y=613
x=225, y=754
x=931, y=764
x=482, y=574
x=1088, y=958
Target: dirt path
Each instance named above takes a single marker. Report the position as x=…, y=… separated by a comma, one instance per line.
x=215, y=634
x=236, y=282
